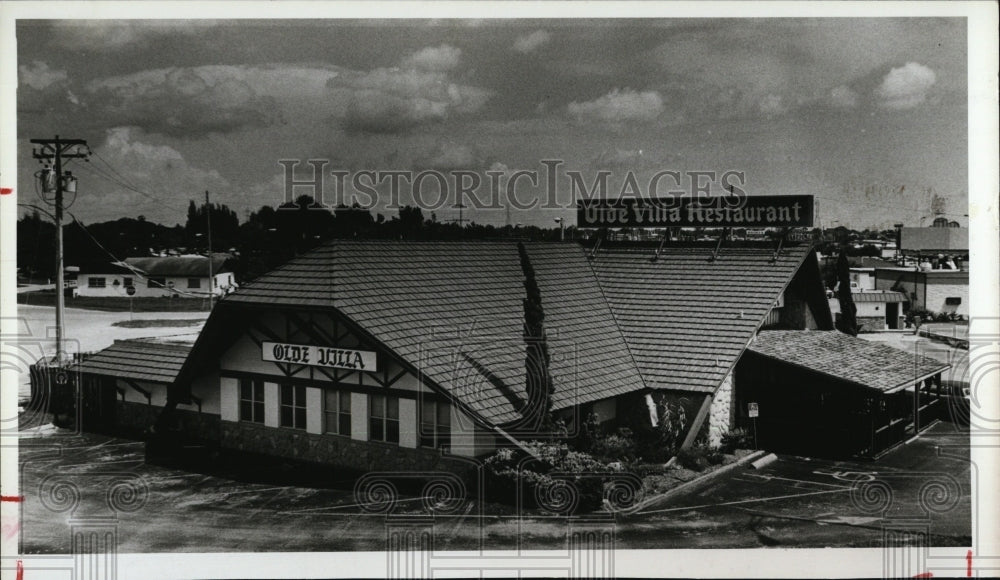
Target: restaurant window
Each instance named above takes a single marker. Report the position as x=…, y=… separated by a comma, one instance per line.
x=251, y=401
x=337, y=411
x=97, y=282
x=194, y=282
x=293, y=406
x=156, y=282
x=435, y=424
x=383, y=418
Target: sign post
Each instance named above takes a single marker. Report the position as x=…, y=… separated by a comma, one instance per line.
x=753, y=410
x=130, y=290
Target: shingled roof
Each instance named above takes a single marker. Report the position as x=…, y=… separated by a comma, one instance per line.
x=686, y=317
x=455, y=310
x=142, y=360
x=186, y=266
x=878, y=297
x=868, y=364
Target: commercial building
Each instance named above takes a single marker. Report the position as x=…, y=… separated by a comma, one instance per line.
x=387, y=355
x=879, y=310
x=938, y=239
x=154, y=277
x=939, y=291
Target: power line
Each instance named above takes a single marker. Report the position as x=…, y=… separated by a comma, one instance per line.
x=138, y=273
x=103, y=174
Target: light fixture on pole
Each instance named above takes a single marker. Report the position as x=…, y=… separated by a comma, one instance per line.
x=562, y=228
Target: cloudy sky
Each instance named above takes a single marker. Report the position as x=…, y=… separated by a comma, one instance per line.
x=868, y=115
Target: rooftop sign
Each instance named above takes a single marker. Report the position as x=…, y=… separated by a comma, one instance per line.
x=773, y=211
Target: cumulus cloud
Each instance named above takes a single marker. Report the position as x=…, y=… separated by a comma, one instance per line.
x=434, y=58
x=905, y=87
x=184, y=101
x=843, y=97
x=396, y=100
x=624, y=160
x=772, y=105
x=159, y=170
x=196, y=101
x=39, y=76
x=106, y=35
x=449, y=156
x=529, y=43
x=618, y=106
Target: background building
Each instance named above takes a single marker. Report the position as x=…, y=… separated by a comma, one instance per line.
x=185, y=276
x=935, y=290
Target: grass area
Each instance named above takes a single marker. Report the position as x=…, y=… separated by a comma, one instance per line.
x=158, y=322
x=113, y=304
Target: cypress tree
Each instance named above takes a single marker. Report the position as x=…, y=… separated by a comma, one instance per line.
x=538, y=381
x=848, y=311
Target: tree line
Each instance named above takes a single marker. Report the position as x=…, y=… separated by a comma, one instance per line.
x=268, y=238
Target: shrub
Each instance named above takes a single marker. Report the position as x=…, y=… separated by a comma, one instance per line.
x=509, y=468
x=694, y=458
x=662, y=442
x=618, y=446
x=739, y=438
x=715, y=456
x=924, y=314
x=590, y=433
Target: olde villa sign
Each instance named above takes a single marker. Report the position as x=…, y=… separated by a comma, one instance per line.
x=319, y=356
x=774, y=211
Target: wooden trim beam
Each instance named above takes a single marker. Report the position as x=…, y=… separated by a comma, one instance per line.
x=145, y=393
x=699, y=418
x=354, y=388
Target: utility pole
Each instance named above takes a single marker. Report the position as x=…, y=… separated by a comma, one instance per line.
x=56, y=150
x=211, y=280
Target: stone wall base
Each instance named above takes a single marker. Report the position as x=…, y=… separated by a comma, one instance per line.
x=135, y=419
x=334, y=450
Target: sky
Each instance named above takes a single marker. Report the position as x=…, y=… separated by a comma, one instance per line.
x=868, y=115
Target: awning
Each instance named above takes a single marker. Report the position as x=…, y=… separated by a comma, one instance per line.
x=867, y=364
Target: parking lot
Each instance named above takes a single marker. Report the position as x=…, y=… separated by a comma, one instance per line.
x=804, y=502
x=793, y=502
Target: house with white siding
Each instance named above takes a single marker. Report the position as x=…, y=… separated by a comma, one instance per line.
x=155, y=277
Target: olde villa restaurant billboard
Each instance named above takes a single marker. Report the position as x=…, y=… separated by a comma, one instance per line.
x=776, y=211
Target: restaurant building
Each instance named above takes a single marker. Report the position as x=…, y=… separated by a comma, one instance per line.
x=389, y=355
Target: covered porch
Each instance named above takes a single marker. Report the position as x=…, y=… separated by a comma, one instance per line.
x=825, y=393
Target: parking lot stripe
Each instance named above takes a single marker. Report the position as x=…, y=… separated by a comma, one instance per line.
x=754, y=500
x=773, y=477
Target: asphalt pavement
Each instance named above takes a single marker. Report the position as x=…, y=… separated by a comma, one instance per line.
x=793, y=502
x=923, y=485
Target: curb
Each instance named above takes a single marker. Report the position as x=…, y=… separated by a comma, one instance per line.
x=699, y=480
x=952, y=341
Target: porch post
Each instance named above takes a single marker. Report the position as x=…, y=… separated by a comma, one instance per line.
x=872, y=412
x=916, y=408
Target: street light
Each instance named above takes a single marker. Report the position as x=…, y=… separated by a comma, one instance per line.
x=562, y=229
